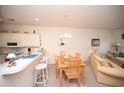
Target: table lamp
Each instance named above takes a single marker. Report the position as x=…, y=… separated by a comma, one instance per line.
x=11, y=57
x=117, y=47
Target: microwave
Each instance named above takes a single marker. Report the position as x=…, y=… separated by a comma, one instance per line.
x=14, y=44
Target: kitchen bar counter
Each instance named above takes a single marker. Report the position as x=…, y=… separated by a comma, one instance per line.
x=21, y=64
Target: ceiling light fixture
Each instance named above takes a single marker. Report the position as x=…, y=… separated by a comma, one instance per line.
x=62, y=37
x=36, y=19
x=66, y=36
x=11, y=19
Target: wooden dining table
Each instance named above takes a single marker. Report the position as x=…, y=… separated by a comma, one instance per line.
x=63, y=65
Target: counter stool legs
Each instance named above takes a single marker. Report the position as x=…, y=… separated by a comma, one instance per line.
x=47, y=74
x=43, y=72
x=41, y=78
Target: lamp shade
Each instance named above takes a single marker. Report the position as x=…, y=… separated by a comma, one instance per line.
x=118, y=44
x=11, y=55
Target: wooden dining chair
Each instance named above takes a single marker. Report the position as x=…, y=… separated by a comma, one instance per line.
x=73, y=70
x=62, y=52
x=56, y=65
x=62, y=55
x=77, y=55
x=75, y=59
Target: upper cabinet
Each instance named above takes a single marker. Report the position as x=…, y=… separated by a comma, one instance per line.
x=31, y=40
x=14, y=37
x=3, y=38
x=26, y=40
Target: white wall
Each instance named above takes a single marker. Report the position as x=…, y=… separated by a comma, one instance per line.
x=80, y=41
x=118, y=38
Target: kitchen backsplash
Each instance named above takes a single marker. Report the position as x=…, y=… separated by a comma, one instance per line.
x=20, y=52
x=16, y=50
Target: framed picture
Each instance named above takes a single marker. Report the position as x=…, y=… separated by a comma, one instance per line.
x=95, y=42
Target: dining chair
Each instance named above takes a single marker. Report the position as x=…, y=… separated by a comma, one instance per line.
x=77, y=55
x=56, y=65
x=74, y=59
x=62, y=54
x=73, y=70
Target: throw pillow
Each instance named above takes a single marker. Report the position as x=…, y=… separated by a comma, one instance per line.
x=104, y=63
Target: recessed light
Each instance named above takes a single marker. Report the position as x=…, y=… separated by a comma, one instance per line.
x=36, y=19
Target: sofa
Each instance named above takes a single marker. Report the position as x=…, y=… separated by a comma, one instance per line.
x=116, y=58
x=106, y=72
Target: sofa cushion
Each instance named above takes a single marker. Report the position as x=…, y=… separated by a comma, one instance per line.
x=110, y=64
x=113, y=64
x=102, y=61
x=112, y=72
x=109, y=55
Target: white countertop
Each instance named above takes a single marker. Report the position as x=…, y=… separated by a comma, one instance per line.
x=21, y=64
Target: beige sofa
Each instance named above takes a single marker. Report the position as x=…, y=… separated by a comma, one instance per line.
x=106, y=72
x=115, y=59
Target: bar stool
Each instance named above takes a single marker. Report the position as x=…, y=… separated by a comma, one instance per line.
x=41, y=72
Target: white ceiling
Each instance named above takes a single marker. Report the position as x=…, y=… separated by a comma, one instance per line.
x=106, y=17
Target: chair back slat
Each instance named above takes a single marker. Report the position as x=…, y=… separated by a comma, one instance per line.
x=73, y=67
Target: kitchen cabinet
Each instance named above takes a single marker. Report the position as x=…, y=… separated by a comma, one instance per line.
x=3, y=39
x=31, y=40
x=14, y=37
x=26, y=40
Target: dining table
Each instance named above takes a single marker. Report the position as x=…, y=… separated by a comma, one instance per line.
x=63, y=65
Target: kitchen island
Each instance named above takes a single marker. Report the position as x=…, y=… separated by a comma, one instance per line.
x=22, y=74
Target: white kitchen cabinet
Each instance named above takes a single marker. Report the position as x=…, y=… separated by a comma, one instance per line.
x=31, y=40
x=14, y=37
x=3, y=39
x=26, y=40
x=9, y=37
